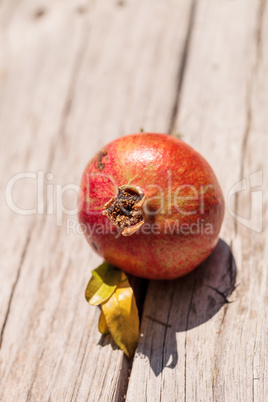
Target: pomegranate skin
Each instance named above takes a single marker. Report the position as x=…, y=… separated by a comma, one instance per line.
x=184, y=209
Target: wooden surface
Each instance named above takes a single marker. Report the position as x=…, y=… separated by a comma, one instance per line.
x=73, y=76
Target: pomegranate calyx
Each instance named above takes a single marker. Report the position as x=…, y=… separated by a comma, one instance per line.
x=125, y=210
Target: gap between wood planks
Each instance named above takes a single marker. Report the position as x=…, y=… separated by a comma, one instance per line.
x=182, y=67
x=142, y=283
x=65, y=114
x=122, y=388
x=14, y=285
x=248, y=100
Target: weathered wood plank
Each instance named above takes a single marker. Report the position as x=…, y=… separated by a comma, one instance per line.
x=222, y=112
x=33, y=98
x=74, y=80
x=36, y=71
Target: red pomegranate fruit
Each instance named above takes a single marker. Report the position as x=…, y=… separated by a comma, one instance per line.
x=151, y=205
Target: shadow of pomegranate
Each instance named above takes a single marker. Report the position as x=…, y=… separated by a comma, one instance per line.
x=169, y=307
x=183, y=304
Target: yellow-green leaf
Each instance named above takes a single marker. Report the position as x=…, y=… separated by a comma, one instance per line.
x=102, y=283
x=122, y=317
x=103, y=327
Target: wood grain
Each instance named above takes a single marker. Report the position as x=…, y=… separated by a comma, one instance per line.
x=74, y=76
x=222, y=112
x=72, y=79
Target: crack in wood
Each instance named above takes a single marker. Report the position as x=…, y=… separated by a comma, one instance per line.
x=123, y=380
x=67, y=107
x=226, y=305
x=140, y=287
x=24, y=251
x=245, y=141
x=165, y=324
x=185, y=342
x=253, y=368
x=174, y=112
x=68, y=267
x=74, y=393
x=231, y=270
x=226, y=301
x=182, y=66
x=62, y=357
x=81, y=370
x=249, y=92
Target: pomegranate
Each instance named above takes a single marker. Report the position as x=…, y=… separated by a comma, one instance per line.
x=151, y=205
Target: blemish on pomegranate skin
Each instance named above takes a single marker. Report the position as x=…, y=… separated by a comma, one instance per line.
x=39, y=13
x=81, y=10
x=95, y=246
x=100, y=164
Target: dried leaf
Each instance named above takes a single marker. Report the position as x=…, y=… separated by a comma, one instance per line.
x=103, y=327
x=122, y=317
x=102, y=283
